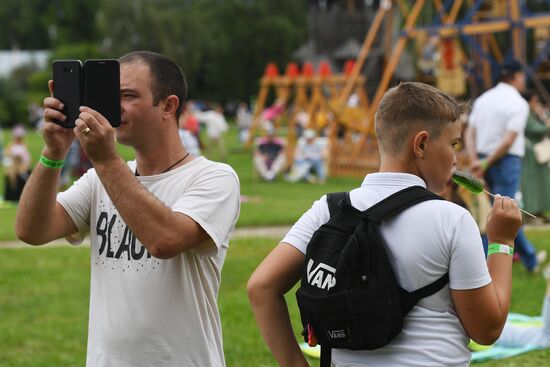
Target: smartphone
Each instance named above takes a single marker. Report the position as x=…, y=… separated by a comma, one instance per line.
x=102, y=88
x=67, y=87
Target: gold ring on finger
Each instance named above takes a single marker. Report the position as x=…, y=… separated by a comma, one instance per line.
x=86, y=131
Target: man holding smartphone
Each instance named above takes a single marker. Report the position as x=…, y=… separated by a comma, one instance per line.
x=159, y=226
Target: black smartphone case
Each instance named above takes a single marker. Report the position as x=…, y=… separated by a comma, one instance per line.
x=67, y=87
x=102, y=88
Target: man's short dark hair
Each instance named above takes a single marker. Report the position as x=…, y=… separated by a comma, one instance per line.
x=167, y=78
x=509, y=69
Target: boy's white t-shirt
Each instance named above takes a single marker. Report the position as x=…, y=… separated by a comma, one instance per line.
x=423, y=243
x=146, y=311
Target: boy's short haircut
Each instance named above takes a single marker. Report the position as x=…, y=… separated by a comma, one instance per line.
x=413, y=106
x=166, y=76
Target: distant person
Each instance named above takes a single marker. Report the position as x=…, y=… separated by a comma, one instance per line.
x=190, y=121
x=272, y=113
x=302, y=122
x=244, y=122
x=429, y=56
x=535, y=178
x=496, y=143
x=418, y=130
x=216, y=126
x=35, y=114
x=310, y=156
x=17, y=165
x=269, y=156
x=188, y=139
x=17, y=145
x=70, y=169
x=159, y=225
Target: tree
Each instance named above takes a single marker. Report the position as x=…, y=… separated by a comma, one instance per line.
x=222, y=46
x=42, y=24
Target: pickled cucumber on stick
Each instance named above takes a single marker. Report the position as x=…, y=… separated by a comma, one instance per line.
x=468, y=181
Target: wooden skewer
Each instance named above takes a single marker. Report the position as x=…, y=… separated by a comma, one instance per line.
x=493, y=195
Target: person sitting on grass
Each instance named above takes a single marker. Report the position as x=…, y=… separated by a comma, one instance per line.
x=418, y=131
x=269, y=156
x=309, y=155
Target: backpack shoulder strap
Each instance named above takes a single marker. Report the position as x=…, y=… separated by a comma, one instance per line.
x=409, y=299
x=431, y=288
x=334, y=200
x=398, y=202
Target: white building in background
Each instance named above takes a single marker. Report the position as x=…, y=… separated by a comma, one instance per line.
x=12, y=59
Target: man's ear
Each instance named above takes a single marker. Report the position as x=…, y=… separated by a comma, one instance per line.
x=170, y=106
x=420, y=141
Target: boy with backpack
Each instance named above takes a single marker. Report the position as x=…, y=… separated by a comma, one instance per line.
x=433, y=250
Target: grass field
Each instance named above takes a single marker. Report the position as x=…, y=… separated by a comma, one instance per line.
x=44, y=291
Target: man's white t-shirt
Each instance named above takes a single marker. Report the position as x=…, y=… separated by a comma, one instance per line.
x=495, y=112
x=146, y=311
x=423, y=242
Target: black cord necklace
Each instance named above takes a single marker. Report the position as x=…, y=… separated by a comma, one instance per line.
x=169, y=168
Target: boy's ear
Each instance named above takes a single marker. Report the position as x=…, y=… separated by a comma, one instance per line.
x=420, y=141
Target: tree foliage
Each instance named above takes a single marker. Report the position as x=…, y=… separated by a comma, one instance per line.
x=222, y=45
x=43, y=24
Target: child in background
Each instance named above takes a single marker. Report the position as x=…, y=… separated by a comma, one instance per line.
x=17, y=161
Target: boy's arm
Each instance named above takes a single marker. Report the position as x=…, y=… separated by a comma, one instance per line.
x=273, y=278
x=483, y=311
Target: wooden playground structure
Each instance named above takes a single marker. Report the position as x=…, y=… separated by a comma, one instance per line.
x=471, y=37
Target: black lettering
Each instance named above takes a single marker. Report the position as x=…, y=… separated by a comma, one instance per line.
x=136, y=255
x=110, y=252
x=125, y=244
x=101, y=230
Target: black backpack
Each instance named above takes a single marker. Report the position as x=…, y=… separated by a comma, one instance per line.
x=349, y=297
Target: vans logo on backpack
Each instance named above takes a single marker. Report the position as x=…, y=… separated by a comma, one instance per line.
x=322, y=276
x=337, y=334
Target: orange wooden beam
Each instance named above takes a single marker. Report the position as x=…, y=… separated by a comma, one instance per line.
x=454, y=11
x=482, y=28
x=367, y=44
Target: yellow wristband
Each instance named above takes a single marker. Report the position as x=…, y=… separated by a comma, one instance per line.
x=50, y=163
x=497, y=248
